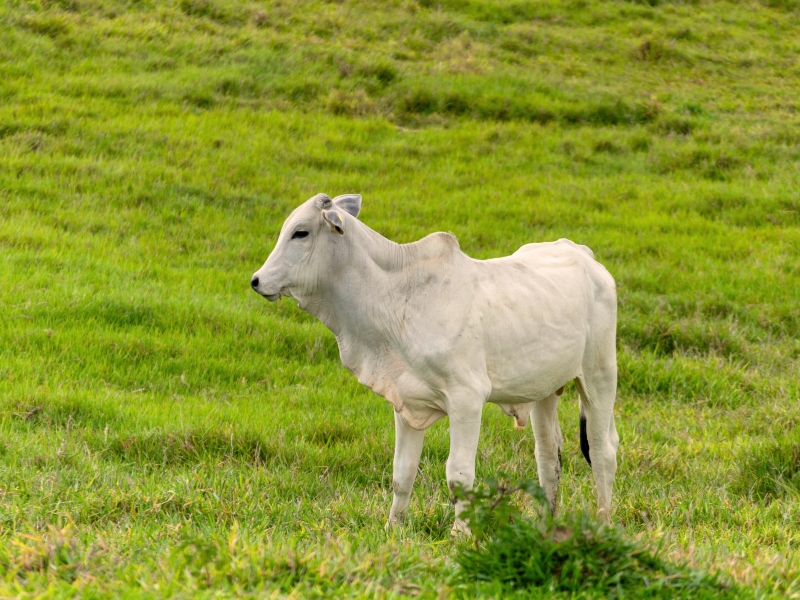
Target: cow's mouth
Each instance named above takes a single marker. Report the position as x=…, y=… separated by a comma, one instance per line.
x=271, y=297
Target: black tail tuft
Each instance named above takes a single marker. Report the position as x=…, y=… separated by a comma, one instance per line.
x=584, y=439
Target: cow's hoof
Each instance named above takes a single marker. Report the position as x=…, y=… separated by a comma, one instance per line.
x=393, y=522
x=604, y=514
x=460, y=527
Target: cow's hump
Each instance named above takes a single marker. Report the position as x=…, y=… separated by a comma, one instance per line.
x=438, y=245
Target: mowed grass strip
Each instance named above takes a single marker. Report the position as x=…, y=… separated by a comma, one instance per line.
x=165, y=431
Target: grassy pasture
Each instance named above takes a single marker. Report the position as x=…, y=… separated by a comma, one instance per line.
x=164, y=431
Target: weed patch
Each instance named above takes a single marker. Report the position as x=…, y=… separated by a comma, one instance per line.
x=567, y=555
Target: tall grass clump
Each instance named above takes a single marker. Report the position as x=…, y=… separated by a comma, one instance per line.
x=571, y=554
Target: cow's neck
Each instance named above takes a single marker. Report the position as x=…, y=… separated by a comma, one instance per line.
x=376, y=251
x=352, y=304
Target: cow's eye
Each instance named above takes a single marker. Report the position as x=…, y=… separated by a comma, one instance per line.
x=299, y=234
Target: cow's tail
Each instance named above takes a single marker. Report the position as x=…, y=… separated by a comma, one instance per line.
x=584, y=437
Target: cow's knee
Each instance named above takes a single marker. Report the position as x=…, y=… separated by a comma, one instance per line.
x=460, y=476
x=402, y=485
x=401, y=488
x=460, y=466
x=549, y=470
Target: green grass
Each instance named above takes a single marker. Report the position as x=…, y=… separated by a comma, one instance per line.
x=164, y=431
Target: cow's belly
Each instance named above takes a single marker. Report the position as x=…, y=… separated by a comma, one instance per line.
x=533, y=368
x=531, y=387
x=534, y=355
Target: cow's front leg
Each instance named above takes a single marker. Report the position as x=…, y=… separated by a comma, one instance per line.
x=465, y=428
x=407, y=450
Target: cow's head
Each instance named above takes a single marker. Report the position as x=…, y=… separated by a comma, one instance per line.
x=306, y=241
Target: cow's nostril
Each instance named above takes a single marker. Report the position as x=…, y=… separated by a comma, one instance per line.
x=254, y=282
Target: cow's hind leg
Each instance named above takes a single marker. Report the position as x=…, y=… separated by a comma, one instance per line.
x=547, y=435
x=407, y=451
x=598, y=393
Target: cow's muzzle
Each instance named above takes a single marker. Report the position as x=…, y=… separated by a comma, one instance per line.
x=254, y=282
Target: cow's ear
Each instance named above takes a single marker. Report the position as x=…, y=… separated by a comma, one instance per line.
x=350, y=203
x=334, y=220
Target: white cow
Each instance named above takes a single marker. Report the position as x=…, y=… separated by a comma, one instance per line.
x=438, y=333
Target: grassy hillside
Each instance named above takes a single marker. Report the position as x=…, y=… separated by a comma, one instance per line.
x=164, y=431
